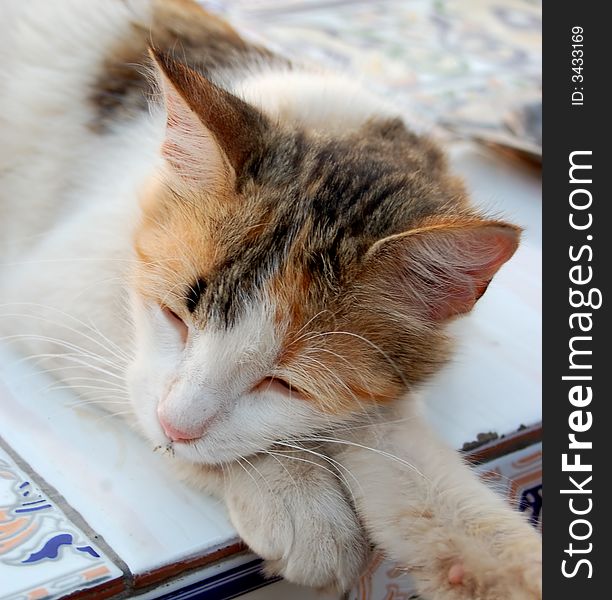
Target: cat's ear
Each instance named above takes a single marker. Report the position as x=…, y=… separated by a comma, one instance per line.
x=442, y=269
x=210, y=132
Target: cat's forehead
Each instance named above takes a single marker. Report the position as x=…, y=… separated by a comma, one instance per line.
x=308, y=210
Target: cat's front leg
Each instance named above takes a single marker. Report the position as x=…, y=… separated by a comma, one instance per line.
x=293, y=510
x=426, y=510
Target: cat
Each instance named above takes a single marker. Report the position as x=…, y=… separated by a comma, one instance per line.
x=259, y=269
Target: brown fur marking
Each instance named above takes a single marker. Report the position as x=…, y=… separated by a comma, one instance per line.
x=181, y=28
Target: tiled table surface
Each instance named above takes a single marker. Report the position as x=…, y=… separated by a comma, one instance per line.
x=42, y=552
x=149, y=524
x=466, y=63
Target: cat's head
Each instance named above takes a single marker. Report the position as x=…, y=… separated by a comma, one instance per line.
x=288, y=280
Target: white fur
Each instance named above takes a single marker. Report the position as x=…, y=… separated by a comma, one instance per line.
x=209, y=383
x=316, y=100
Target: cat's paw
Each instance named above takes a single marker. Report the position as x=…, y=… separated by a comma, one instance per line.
x=507, y=582
x=301, y=523
x=501, y=570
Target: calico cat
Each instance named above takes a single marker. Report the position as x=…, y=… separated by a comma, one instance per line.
x=259, y=270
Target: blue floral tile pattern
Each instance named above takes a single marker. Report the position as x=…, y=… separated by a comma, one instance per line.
x=42, y=553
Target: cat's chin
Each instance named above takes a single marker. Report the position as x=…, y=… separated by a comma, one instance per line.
x=204, y=453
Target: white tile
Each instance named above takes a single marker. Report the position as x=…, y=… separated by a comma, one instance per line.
x=126, y=493
x=42, y=553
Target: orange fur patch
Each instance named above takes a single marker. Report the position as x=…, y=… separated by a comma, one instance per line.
x=175, y=244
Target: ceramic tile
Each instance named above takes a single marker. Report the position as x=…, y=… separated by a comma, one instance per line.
x=518, y=476
x=42, y=553
x=470, y=64
x=214, y=582
x=126, y=492
x=283, y=590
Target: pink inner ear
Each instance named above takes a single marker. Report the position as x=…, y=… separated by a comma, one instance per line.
x=467, y=259
x=441, y=270
x=189, y=147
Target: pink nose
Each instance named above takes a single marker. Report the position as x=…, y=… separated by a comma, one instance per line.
x=182, y=434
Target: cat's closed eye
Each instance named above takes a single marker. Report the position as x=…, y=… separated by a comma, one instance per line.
x=276, y=384
x=176, y=322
